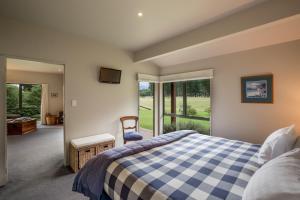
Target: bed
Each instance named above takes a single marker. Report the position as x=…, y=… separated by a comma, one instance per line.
x=178, y=165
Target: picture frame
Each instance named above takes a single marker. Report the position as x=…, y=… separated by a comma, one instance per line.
x=257, y=89
x=54, y=94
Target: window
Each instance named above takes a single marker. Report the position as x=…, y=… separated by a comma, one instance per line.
x=187, y=105
x=23, y=100
x=146, y=108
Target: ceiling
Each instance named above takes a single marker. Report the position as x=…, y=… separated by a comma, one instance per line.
x=116, y=21
x=281, y=31
x=34, y=66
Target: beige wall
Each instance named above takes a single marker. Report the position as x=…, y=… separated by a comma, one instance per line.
x=252, y=122
x=54, y=81
x=99, y=105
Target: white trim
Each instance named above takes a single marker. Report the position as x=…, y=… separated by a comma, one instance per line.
x=161, y=110
x=147, y=78
x=188, y=76
x=3, y=135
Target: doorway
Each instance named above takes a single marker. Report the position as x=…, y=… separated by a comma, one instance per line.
x=34, y=120
x=147, y=109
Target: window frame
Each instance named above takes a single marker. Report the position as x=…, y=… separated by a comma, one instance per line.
x=20, y=92
x=184, y=115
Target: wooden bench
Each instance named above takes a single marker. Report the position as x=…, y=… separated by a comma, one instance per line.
x=83, y=149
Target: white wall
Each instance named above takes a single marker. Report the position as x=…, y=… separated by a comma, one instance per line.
x=99, y=105
x=54, y=81
x=252, y=122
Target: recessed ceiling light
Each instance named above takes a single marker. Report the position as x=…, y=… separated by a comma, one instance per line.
x=140, y=14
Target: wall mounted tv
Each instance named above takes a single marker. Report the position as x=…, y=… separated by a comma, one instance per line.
x=108, y=75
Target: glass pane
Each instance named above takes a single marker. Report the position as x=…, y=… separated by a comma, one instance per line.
x=167, y=97
x=179, y=98
x=12, y=100
x=31, y=100
x=146, y=108
x=26, y=105
x=202, y=126
x=168, y=127
x=198, y=98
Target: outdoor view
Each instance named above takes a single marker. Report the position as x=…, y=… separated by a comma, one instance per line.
x=23, y=100
x=187, y=106
x=146, y=114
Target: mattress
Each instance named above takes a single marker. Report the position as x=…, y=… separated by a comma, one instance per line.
x=195, y=167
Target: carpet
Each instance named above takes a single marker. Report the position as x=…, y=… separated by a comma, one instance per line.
x=35, y=168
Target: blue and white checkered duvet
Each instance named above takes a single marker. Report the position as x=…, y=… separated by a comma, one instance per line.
x=194, y=167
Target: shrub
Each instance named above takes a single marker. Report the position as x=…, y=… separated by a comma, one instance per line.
x=192, y=126
x=186, y=126
x=208, y=110
x=30, y=110
x=169, y=128
x=191, y=110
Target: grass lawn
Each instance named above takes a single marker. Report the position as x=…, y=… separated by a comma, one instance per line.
x=146, y=115
x=200, y=104
x=146, y=119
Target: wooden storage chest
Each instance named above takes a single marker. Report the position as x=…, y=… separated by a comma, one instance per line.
x=21, y=127
x=83, y=149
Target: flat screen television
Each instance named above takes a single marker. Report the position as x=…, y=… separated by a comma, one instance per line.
x=108, y=75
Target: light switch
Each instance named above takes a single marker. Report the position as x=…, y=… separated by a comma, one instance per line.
x=74, y=103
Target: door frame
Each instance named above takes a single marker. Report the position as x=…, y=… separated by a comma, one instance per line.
x=3, y=135
x=3, y=131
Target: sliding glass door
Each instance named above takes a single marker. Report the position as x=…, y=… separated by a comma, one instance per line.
x=146, y=108
x=186, y=105
x=23, y=100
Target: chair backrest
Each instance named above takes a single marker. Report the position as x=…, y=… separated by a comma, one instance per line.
x=129, y=118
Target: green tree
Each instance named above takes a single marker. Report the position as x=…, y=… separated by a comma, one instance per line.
x=31, y=100
x=12, y=99
x=32, y=96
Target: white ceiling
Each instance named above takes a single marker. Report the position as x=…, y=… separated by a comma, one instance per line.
x=116, y=21
x=284, y=30
x=33, y=66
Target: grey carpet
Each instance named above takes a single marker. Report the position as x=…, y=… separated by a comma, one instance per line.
x=35, y=167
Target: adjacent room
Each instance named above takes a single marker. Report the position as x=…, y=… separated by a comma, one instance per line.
x=150, y=100
x=35, y=121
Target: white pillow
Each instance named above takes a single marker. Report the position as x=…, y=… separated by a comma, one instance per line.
x=279, y=179
x=277, y=143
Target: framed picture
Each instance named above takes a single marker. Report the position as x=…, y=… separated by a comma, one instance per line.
x=257, y=89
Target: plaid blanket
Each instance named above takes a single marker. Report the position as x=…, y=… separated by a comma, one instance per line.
x=194, y=167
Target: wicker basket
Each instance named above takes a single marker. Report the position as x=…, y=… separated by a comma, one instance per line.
x=80, y=154
x=51, y=120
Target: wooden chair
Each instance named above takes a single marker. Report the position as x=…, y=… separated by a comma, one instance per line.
x=133, y=135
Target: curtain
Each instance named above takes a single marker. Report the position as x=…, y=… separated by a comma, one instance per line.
x=44, y=103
